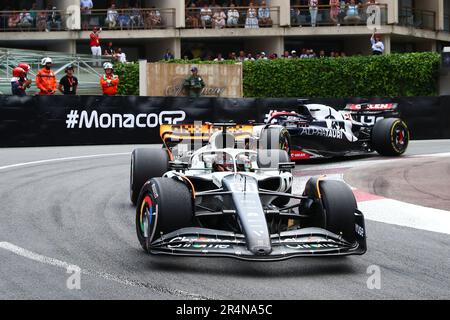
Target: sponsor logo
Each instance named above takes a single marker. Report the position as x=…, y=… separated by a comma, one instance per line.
x=372, y=107
x=155, y=193
x=359, y=230
x=308, y=243
x=370, y=120
x=176, y=88
x=199, y=243
x=322, y=132
x=92, y=119
x=299, y=155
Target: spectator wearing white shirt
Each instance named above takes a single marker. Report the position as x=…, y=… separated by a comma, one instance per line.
x=111, y=16
x=264, y=15
x=232, y=16
x=313, y=10
x=121, y=56
x=86, y=6
x=219, y=58
x=251, y=22
x=205, y=16
x=377, y=44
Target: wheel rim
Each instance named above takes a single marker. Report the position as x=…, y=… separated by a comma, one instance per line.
x=400, y=138
x=146, y=216
x=284, y=144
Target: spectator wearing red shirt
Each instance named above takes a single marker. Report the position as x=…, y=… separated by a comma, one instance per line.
x=96, y=49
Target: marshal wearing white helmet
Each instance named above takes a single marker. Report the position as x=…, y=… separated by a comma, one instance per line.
x=109, y=81
x=46, y=79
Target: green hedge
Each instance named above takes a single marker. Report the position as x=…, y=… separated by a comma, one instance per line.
x=395, y=75
x=128, y=78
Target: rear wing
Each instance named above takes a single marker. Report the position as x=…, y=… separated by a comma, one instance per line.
x=372, y=107
x=200, y=134
x=370, y=113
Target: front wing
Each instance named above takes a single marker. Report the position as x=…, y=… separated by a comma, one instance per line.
x=201, y=242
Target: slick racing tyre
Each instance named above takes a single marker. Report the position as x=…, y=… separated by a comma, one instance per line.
x=390, y=137
x=275, y=138
x=333, y=209
x=164, y=205
x=146, y=164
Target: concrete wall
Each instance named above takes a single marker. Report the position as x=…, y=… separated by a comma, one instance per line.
x=392, y=10
x=225, y=80
x=284, y=15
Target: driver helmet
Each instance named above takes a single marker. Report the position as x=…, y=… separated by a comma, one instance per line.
x=223, y=162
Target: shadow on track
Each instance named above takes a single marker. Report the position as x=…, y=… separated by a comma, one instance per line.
x=300, y=267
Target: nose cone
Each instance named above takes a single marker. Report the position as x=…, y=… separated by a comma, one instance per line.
x=261, y=250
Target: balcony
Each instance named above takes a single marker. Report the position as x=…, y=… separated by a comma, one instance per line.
x=57, y=20
x=415, y=18
x=233, y=17
x=42, y=20
x=327, y=16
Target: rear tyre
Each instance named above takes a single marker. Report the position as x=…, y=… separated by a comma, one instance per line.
x=275, y=138
x=271, y=158
x=164, y=205
x=390, y=137
x=146, y=164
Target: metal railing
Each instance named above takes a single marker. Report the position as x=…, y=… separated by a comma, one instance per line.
x=41, y=20
x=87, y=69
x=129, y=19
x=232, y=17
x=328, y=16
x=415, y=18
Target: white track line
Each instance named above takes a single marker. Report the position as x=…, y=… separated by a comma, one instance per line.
x=406, y=215
x=32, y=163
x=106, y=276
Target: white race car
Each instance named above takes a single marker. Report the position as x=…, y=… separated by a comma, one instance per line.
x=222, y=200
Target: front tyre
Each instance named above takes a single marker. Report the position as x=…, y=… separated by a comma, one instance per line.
x=390, y=137
x=164, y=205
x=332, y=207
x=146, y=164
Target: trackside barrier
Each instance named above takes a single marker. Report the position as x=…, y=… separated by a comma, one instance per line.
x=82, y=120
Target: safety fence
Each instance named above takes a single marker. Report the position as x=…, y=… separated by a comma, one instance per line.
x=81, y=120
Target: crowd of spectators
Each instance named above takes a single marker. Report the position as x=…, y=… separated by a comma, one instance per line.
x=217, y=14
x=249, y=56
x=212, y=14
x=33, y=18
x=125, y=17
x=326, y=12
